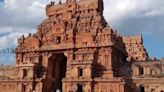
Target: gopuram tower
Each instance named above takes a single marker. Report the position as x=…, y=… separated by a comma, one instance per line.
x=74, y=50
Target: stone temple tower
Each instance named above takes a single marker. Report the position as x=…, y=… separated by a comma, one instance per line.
x=74, y=50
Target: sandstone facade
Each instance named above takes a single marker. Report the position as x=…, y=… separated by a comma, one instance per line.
x=75, y=50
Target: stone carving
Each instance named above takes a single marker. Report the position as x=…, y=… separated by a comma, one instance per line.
x=135, y=49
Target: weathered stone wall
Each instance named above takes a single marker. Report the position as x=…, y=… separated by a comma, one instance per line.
x=149, y=75
x=7, y=72
x=9, y=86
x=148, y=69
x=109, y=85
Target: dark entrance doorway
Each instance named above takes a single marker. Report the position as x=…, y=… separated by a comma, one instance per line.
x=79, y=88
x=57, y=70
x=142, y=89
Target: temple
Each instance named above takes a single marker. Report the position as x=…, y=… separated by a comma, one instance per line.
x=75, y=50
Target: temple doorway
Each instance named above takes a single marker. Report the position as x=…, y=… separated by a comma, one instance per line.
x=142, y=89
x=79, y=88
x=58, y=63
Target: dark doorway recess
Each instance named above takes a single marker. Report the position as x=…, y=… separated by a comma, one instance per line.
x=141, y=70
x=79, y=88
x=24, y=73
x=57, y=70
x=142, y=89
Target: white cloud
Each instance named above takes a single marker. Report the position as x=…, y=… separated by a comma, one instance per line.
x=134, y=16
x=116, y=10
x=5, y=30
x=10, y=4
x=19, y=17
x=9, y=40
x=22, y=13
x=154, y=13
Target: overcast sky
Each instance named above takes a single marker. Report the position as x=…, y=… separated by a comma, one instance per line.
x=129, y=17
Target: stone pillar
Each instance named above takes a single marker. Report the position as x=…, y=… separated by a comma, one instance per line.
x=40, y=86
x=7, y=87
x=64, y=87
x=19, y=87
x=88, y=71
x=153, y=72
x=159, y=72
x=162, y=69
x=148, y=70
x=30, y=73
x=87, y=87
x=29, y=87
x=137, y=71
x=147, y=89
x=145, y=70
x=45, y=62
x=122, y=88
x=20, y=73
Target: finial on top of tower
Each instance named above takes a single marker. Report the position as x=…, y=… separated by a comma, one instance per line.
x=60, y=2
x=70, y=0
x=52, y=3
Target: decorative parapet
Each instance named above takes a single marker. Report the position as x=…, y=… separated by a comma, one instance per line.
x=53, y=9
x=148, y=69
